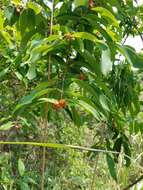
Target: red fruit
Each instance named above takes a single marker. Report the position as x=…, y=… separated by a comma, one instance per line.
x=90, y=3
x=62, y=103
x=56, y=106
x=82, y=76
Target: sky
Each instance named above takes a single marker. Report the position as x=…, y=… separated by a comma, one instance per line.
x=135, y=42
x=140, y=2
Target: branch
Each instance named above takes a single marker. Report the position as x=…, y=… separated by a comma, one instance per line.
x=134, y=183
x=136, y=28
x=46, y=106
x=64, y=146
x=140, y=34
x=125, y=39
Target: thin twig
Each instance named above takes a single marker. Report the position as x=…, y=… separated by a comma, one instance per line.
x=136, y=28
x=43, y=154
x=63, y=81
x=140, y=34
x=51, y=32
x=64, y=146
x=125, y=39
x=134, y=183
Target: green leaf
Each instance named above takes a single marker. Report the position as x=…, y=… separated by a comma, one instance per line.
x=21, y=167
x=50, y=100
x=127, y=151
x=104, y=102
x=107, y=15
x=4, y=72
x=26, y=37
x=89, y=108
x=88, y=36
x=91, y=61
x=106, y=32
x=6, y=36
x=111, y=167
x=106, y=63
x=31, y=74
x=6, y=126
x=19, y=76
x=32, y=5
x=114, y=36
x=118, y=144
x=27, y=21
x=34, y=57
x=45, y=84
x=24, y=186
x=16, y=2
x=32, y=96
x=8, y=13
x=23, y=22
x=75, y=116
x=30, y=180
x=85, y=85
x=78, y=3
x=42, y=47
x=117, y=147
x=1, y=21
x=49, y=4
x=131, y=56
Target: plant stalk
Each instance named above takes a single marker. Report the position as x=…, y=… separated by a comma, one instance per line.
x=46, y=108
x=94, y=174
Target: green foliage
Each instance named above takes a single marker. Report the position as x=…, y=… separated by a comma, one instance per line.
x=63, y=65
x=21, y=167
x=111, y=166
x=6, y=126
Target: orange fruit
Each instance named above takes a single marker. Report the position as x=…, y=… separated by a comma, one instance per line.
x=82, y=76
x=62, y=103
x=90, y=3
x=56, y=106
